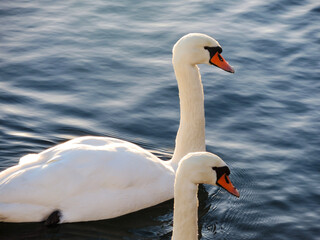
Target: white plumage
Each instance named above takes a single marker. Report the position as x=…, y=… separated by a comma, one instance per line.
x=195, y=168
x=93, y=178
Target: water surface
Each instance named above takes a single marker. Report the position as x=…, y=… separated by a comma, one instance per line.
x=75, y=68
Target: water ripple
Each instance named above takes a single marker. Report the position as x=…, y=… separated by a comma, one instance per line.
x=73, y=68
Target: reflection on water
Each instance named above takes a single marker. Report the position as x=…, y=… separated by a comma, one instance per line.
x=73, y=68
x=151, y=223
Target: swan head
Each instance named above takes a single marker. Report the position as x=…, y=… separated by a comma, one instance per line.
x=207, y=168
x=197, y=48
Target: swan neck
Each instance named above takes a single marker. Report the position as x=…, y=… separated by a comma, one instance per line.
x=191, y=133
x=185, y=215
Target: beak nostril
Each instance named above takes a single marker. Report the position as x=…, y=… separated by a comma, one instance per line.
x=227, y=179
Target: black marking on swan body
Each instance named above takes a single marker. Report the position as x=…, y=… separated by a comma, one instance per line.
x=53, y=219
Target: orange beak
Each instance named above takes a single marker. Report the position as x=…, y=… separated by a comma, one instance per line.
x=224, y=182
x=219, y=61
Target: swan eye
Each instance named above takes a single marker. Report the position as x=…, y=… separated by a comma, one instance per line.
x=221, y=170
x=213, y=51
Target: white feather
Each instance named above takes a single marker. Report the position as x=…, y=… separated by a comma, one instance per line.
x=93, y=178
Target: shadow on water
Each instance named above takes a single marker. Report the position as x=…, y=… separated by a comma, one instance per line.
x=152, y=223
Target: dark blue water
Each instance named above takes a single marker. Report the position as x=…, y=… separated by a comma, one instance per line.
x=74, y=68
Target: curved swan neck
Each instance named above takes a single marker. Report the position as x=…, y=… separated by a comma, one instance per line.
x=191, y=133
x=185, y=215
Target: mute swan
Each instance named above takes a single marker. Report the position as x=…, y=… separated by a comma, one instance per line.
x=196, y=168
x=92, y=178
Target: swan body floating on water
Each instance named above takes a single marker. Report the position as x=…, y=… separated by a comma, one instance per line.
x=93, y=178
x=196, y=168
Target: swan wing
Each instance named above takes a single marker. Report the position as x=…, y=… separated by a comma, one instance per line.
x=87, y=178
